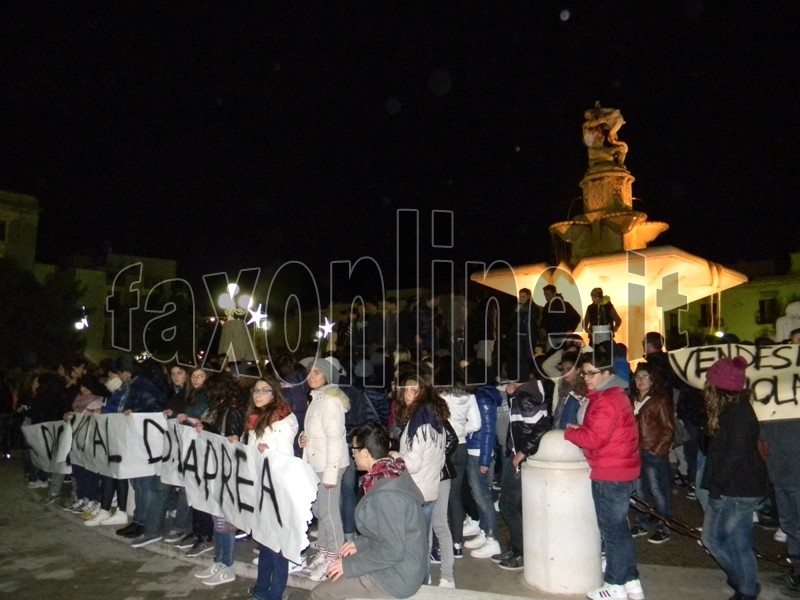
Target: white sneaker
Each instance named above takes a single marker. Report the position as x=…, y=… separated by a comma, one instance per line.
x=320, y=572
x=488, y=550
x=98, y=518
x=476, y=542
x=446, y=583
x=120, y=517
x=90, y=510
x=224, y=575
x=634, y=590
x=318, y=559
x=607, y=592
x=471, y=527
x=208, y=572
x=780, y=536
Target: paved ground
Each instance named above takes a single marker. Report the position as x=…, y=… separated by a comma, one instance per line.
x=48, y=553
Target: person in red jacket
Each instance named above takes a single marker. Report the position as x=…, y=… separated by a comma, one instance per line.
x=610, y=441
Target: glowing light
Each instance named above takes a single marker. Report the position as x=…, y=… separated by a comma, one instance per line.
x=233, y=289
x=244, y=301
x=326, y=328
x=564, y=15
x=719, y=334
x=226, y=301
x=257, y=317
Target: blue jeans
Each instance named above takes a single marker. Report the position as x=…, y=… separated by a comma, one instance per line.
x=273, y=573
x=143, y=492
x=788, y=500
x=655, y=485
x=455, y=505
x=511, y=504
x=611, y=501
x=349, y=500
x=728, y=536
x=481, y=485
x=427, y=514
x=223, y=547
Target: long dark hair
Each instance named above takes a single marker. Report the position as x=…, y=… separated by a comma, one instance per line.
x=426, y=401
x=265, y=416
x=718, y=401
x=657, y=385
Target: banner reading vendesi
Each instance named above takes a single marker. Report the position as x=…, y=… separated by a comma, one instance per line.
x=773, y=374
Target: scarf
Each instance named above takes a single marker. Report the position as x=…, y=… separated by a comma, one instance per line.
x=384, y=468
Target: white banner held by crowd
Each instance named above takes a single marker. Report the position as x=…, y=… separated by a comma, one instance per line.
x=773, y=374
x=269, y=495
x=50, y=443
x=117, y=445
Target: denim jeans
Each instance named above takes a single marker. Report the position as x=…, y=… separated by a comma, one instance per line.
x=481, y=485
x=655, y=485
x=611, y=502
x=223, y=547
x=349, y=499
x=157, y=511
x=728, y=536
x=511, y=504
x=143, y=493
x=788, y=499
x=455, y=504
x=273, y=573
x=442, y=530
x=87, y=483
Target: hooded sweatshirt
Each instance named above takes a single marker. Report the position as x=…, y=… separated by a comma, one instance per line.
x=609, y=435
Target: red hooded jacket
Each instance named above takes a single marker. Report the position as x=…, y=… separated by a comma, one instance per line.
x=609, y=435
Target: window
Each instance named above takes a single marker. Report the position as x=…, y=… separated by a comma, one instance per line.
x=708, y=314
x=767, y=311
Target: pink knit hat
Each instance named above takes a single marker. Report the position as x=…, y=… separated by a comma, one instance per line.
x=728, y=374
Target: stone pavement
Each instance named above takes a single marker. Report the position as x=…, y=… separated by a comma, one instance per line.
x=46, y=552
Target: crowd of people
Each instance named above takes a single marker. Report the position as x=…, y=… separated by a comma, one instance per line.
x=435, y=439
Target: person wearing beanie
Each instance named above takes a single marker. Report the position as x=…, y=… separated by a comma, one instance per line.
x=325, y=449
x=735, y=475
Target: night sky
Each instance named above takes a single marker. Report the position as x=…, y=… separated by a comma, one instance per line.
x=231, y=135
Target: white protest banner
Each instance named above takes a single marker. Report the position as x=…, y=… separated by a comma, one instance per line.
x=269, y=495
x=50, y=443
x=117, y=445
x=773, y=374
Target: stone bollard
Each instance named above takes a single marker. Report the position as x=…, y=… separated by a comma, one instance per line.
x=562, y=541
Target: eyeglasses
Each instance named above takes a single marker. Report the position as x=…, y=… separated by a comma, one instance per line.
x=641, y=377
x=586, y=374
x=355, y=449
x=262, y=392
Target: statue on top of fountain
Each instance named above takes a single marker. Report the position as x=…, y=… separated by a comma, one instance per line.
x=600, y=129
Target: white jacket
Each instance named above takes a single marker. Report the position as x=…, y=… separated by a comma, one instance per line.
x=465, y=416
x=326, y=446
x=279, y=436
x=424, y=458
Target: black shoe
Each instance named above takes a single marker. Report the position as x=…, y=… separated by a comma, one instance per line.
x=436, y=556
x=659, y=537
x=127, y=529
x=507, y=555
x=680, y=480
x=637, y=531
x=516, y=563
x=458, y=551
x=135, y=532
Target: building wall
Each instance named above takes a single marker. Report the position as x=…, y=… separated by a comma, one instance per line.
x=19, y=222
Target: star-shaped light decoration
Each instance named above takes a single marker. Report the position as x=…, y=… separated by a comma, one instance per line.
x=326, y=328
x=256, y=316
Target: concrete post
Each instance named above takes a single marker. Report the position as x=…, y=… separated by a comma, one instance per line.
x=560, y=534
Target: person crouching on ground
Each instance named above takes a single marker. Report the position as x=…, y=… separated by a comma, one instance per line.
x=389, y=556
x=610, y=440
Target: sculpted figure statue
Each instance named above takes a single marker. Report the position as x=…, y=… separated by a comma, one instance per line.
x=600, y=136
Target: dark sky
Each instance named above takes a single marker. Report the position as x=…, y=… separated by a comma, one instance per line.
x=233, y=135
